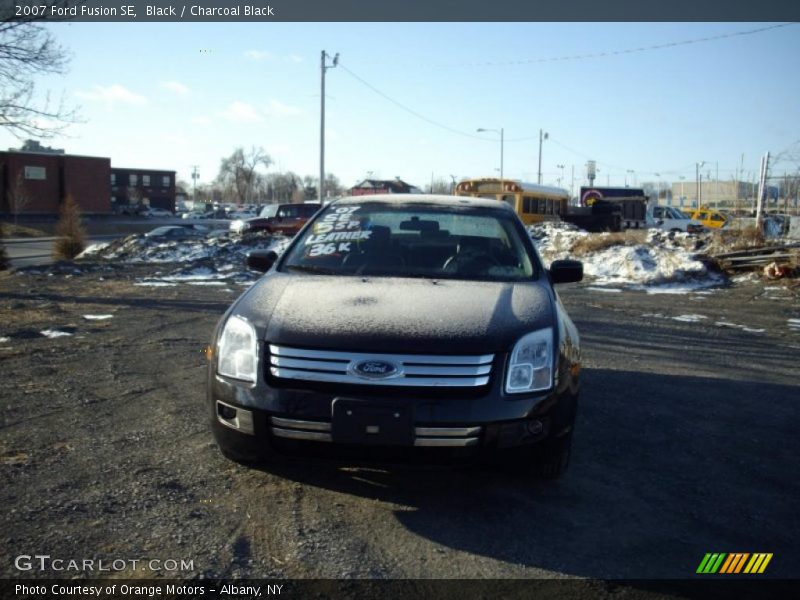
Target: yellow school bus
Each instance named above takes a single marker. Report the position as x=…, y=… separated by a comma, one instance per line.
x=532, y=202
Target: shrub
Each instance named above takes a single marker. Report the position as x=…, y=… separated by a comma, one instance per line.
x=4, y=262
x=594, y=242
x=71, y=235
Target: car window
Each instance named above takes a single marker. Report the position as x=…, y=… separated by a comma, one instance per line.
x=307, y=210
x=269, y=211
x=701, y=216
x=674, y=213
x=414, y=241
x=658, y=212
x=717, y=217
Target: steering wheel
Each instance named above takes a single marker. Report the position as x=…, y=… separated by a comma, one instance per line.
x=470, y=264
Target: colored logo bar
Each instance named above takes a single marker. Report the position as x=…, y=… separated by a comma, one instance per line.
x=734, y=563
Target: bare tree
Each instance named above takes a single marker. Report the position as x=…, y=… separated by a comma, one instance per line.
x=238, y=172
x=283, y=187
x=18, y=197
x=333, y=187
x=439, y=186
x=135, y=199
x=28, y=50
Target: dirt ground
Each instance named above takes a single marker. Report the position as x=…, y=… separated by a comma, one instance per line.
x=686, y=443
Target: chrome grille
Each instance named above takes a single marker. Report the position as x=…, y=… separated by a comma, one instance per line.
x=320, y=431
x=412, y=370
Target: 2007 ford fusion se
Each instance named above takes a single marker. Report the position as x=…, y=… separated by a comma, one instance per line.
x=414, y=325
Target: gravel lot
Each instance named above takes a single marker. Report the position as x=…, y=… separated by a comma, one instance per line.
x=686, y=443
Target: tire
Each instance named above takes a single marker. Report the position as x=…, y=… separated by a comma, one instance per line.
x=246, y=460
x=245, y=450
x=554, y=457
x=549, y=459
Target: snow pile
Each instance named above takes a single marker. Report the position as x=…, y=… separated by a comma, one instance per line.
x=207, y=261
x=635, y=259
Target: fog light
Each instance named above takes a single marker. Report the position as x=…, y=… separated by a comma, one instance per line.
x=535, y=427
x=226, y=412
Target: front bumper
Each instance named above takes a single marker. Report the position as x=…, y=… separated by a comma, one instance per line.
x=263, y=418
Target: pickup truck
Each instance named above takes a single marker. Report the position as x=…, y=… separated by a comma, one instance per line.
x=672, y=219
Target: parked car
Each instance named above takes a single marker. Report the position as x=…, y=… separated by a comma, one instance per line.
x=156, y=212
x=714, y=219
x=672, y=219
x=287, y=219
x=174, y=232
x=401, y=324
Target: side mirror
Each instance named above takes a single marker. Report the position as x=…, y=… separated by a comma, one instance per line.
x=261, y=260
x=566, y=271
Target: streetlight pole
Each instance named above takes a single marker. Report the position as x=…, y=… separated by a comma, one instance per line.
x=698, y=181
x=562, y=174
x=502, y=143
x=658, y=188
x=323, y=67
x=543, y=135
x=626, y=176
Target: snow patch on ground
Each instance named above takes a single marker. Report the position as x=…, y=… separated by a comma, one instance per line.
x=97, y=317
x=794, y=324
x=3, y=340
x=737, y=326
x=206, y=261
x=689, y=318
x=662, y=262
x=54, y=333
x=92, y=249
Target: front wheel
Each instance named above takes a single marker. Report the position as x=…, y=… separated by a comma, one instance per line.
x=554, y=457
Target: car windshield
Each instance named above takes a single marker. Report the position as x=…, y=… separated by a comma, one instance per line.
x=674, y=213
x=404, y=240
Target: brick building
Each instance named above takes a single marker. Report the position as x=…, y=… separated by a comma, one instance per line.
x=135, y=188
x=38, y=183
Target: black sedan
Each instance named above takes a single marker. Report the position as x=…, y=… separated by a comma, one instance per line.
x=422, y=326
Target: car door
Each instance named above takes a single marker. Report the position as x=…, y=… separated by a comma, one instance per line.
x=288, y=217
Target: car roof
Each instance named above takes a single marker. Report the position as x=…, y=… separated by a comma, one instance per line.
x=428, y=199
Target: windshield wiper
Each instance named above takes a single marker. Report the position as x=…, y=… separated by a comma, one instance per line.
x=311, y=269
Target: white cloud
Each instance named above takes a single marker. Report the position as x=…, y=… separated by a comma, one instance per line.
x=201, y=120
x=295, y=58
x=176, y=87
x=241, y=112
x=276, y=108
x=258, y=55
x=112, y=94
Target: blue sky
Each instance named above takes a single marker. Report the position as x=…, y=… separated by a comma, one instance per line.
x=173, y=95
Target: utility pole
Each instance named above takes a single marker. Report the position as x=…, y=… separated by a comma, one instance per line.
x=323, y=67
x=762, y=191
x=699, y=179
x=572, y=184
x=543, y=135
x=195, y=175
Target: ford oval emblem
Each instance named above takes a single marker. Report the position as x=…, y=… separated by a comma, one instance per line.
x=374, y=369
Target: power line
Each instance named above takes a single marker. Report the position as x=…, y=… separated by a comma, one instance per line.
x=406, y=108
x=575, y=57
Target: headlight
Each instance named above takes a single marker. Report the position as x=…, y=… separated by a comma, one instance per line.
x=530, y=368
x=237, y=350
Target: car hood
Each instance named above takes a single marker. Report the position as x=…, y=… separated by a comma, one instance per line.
x=396, y=315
